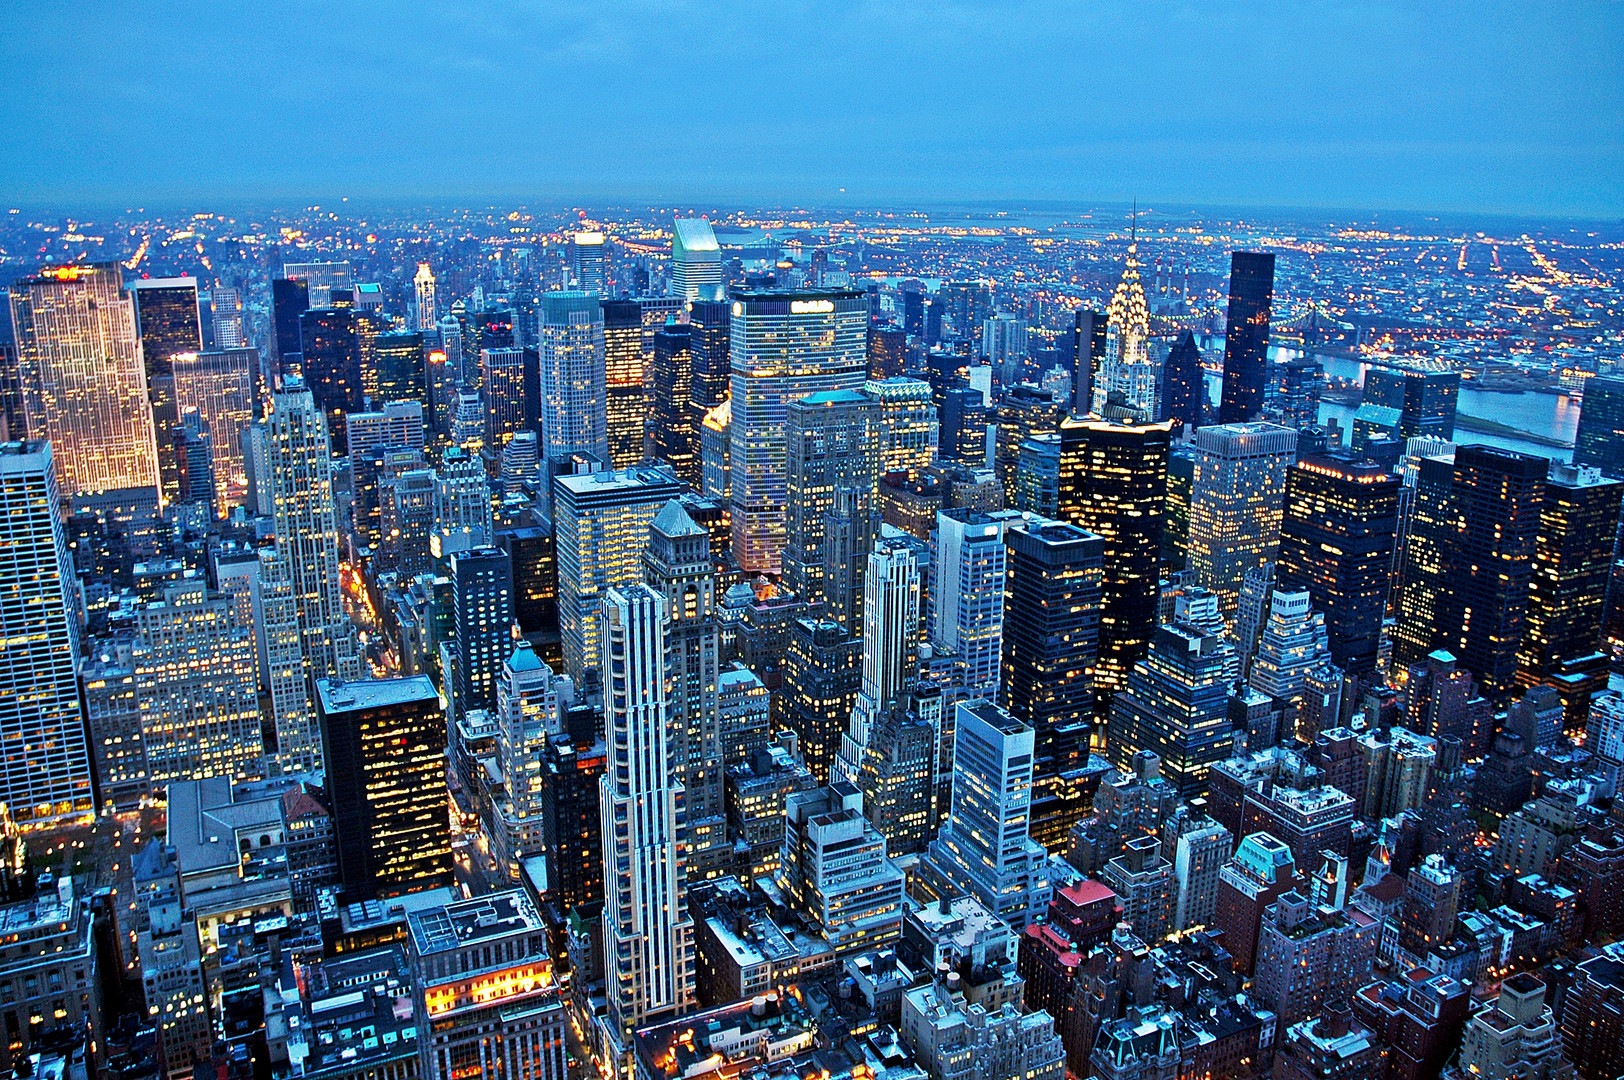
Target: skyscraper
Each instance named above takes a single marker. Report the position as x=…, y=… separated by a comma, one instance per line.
x=1425, y=400
x=1184, y=390
x=601, y=522
x=307, y=547
x=1236, y=500
x=696, y=261
x=967, y=596
x=383, y=741
x=290, y=299
x=591, y=263
x=47, y=774
x=573, y=418
x=1052, y=594
x=423, y=285
x=1421, y=586
x=166, y=321
x=332, y=367
x=785, y=346
x=627, y=403
x=84, y=388
x=482, y=599
x=1127, y=370
x=674, y=433
x=908, y=424
x=396, y=371
x=985, y=848
x=1023, y=412
x=677, y=565
x=1337, y=535
x=648, y=942
x=1600, y=438
x=1113, y=483
x=1246, y=336
x=222, y=387
x=502, y=390
x=225, y=305
x=1088, y=355
x=320, y=279
x=890, y=642
x=832, y=445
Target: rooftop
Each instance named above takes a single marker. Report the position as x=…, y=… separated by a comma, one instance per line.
x=452, y=926
x=338, y=697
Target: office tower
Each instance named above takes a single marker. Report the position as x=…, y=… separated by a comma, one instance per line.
x=1488, y=561
x=1573, y=559
x=1337, y=536
x=1113, y=482
x=113, y=720
x=1037, y=476
x=711, y=323
x=1199, y=856
x=166, y=322
x=893, y=761
x=1004, y=344
x=383, y=741
x=887, y=351
x=1023, y=412
x=572, y=376
x=521, y=463
x=1600, y=438
x=47, y=776
x=1052, y=595
x=822, y=672
x=677, y=565
x=307, y=547
x=197, y=687
x=907, y=420
x=696, y=261
x=1426, y=400
x=332, y=367
x=591, y=264
x=482, y=587
x=194, y=466
x=967, y=596
x=891, y=597
x=396, y=371
x=1292, y=642
x=226, y=306
x=388, y=441
x=1184, y=390
x=1088, y=357
x=1236, y=500
x=1308, y=955
x=502, y=393
x=832, y=445
x=528, y=716
x=290, y=299
x=627, y=405
x=484, y=975
x=834, y=870
x=673, y=435
x=601, y=523
x=1143, y=881
x=785, y=346
x=1441, y=700
x=222, y=387
x=1593, y=1012
x=1419, y=592
x=1176, y=703
x=1127, y=370
x=1246, y=336
x=73, y=319
x=461, y=503
x=1176, y=524
x=648, y=934
x=1261, y=870
x=321, y=279
x=984, y=849
x=964, y=417
x=423, y=285
x=1296, y=385
x=572, y=821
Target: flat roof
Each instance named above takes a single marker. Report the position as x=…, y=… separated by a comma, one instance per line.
x=373, y=693
x=451, y=926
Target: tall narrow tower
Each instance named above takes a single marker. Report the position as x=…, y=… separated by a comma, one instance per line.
x=573, y=404
x=1246, y=336
x=648, y=936
x=427, y=315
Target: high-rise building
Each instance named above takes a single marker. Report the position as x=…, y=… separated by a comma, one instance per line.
x=1127, y=370
x=383, y=742
x=1488, y=561
x=1291, y=643
x=1051, y=641
x=1199, y=855
x=1024, y=411
x=573, y=418
x=835, y=871
x=1593, y=1012
x=1421, y=592
x=1573, y=559
x=1184, y=388
x=332, y=367
x=673, y=433
x=785, y=346
x=1236, y=501
x=832, y=445
x=711, y=321
x=1337, y=536
x=908, y=425
x=1004, y=344
x=482, y=591
x=321, y=279
x=423, y=286
x=1246, y=336
x=1144, y=883
x=502, y=392
x=1600, y=438
x=70, y=320
x=197, y=687
x=167, y=324
x=696, y=261
x=648, y=934
x=290, y=299
x=887, y=351
x=307, y=547
x=222, y=387
x=1113, y=483
x=1425, y=400
x=590, y=268
x=47, y=775
x=626, y=408
x=822, y=672
x=601, y=523
x=226, y=306
x=1176, y=702
x=528, y=715
x=985, y=848
x=395, y=370
x=677, y=564
x=1261, y=870
x=1308, y=956
x=1088, y=356
x=1516, y=1035
x=967, y=596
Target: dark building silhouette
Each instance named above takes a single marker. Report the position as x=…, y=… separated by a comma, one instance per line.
x=1336, y=541
x=1600, y=439
x=674, y=433
x=1246, y=336
x=572, y=826
x=332, y=368
x=913, y=313
x=290, y=299
x=887, y=351
x=383, y=743
x=482, y=601
x=1426, y=400
x=167, y=322
x=1088, y=353
x=711, y=322
x=399, y=372
x=1183, y=390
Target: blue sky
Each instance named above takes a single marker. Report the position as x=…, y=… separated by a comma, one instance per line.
x=1480, y=106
